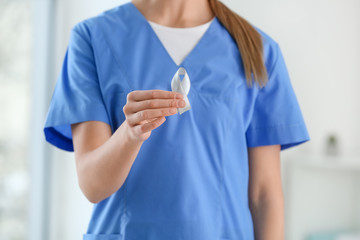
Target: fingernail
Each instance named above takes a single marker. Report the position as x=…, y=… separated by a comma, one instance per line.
x=179, y=96
x=182, y=103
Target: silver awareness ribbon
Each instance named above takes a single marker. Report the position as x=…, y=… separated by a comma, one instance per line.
x=181, y=86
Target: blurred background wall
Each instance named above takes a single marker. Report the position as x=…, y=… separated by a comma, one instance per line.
x=320, y=42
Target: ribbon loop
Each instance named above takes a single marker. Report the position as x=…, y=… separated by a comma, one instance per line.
x=181, y=86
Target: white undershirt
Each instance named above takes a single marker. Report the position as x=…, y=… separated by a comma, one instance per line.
x=179, y=42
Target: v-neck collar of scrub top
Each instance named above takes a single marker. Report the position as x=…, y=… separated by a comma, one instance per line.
x=206, y=37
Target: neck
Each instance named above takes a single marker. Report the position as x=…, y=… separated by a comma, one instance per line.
x=175, y=13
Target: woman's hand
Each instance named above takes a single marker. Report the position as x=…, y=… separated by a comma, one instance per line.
x=103, y=158
x=145, y=110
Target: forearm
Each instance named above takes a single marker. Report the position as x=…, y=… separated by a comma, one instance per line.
x=104, y=169
x=268, y=217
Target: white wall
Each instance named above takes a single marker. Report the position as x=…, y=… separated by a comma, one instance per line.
x=320, y=42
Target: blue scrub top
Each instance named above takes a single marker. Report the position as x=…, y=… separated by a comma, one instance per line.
x=190, y=178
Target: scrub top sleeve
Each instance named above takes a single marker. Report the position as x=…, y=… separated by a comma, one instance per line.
x=277, y=117
x=77, y=95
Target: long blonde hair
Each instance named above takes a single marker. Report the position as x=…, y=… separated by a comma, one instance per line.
x=248, y=40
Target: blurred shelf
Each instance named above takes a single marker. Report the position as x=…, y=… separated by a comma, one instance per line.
x=351, y=163
x=340, y=235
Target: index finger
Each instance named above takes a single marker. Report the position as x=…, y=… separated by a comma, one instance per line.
x=140, y=95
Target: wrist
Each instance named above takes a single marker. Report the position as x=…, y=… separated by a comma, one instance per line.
x=128, y=135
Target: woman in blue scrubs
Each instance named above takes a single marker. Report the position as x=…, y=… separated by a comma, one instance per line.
x=210, y=173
